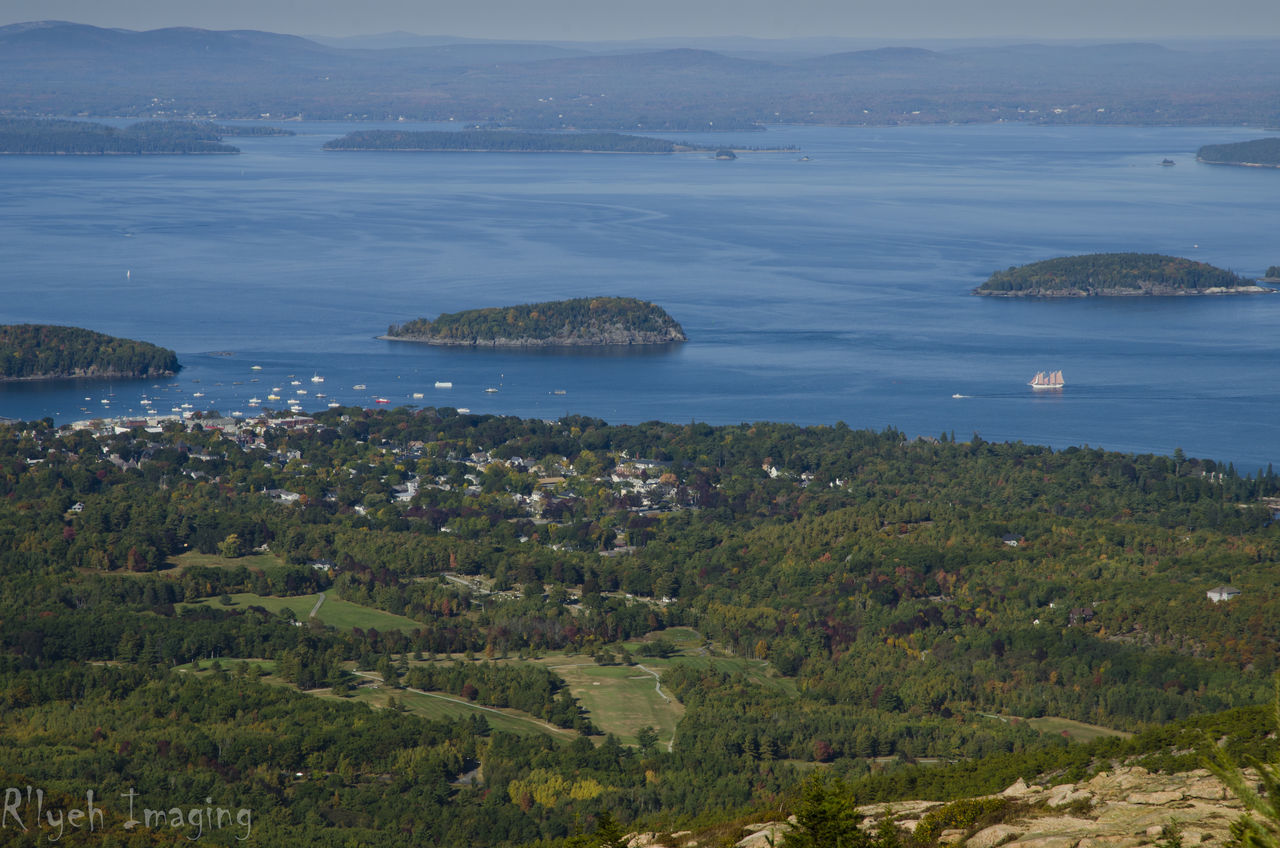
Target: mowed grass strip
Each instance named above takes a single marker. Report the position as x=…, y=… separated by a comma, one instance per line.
x=1076, y=731
x=334, y=611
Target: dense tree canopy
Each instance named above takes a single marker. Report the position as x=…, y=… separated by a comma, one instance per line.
x=30, y=351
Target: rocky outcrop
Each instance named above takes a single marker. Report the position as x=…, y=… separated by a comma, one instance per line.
x=1125, y=808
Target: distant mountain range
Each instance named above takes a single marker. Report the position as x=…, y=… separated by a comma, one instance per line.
x=60, y=68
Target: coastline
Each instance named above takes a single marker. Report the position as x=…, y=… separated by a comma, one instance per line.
x=1239, y=164
x=1054, y=294
x=521, y=343
x=90, y=375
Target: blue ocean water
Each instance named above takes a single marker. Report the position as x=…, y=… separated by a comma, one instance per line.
x=833, y=289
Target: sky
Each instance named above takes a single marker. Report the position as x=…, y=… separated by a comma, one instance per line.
x=591, y=20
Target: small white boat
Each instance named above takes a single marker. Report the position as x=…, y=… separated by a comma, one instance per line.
x=255, y=401
x=418, y=395
x=295, y=382
x=359, y=387
x=237, y=415
x=333, y=404
x=321, y=395
x=104, y=400
x=958, y=395
x=559, y=392
x=316, y=378
x=197, y=394
x=273, y=397
x=444, y=384
x=463, y=410
x=491, y=390
x=302, y=391
x=255, y=368
x=381, y=400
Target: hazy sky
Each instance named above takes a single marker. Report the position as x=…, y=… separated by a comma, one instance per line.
x=623, y=19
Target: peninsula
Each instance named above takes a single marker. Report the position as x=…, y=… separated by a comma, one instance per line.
x=38, y=136
x=1115, y=275
x=1259, y=153
x=504, y=141
x=48, y=352
x=581, y=322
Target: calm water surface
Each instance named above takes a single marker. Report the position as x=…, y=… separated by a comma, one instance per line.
x=834, y=289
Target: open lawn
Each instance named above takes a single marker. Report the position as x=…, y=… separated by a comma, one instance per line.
x=265, y=563
x=334, y=611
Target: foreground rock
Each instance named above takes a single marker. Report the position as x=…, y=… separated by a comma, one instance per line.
x=1125, y=808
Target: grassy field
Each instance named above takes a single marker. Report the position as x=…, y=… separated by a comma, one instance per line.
x=620, y=699
x=265, y=563
x=334, y=611
x=1076, y=731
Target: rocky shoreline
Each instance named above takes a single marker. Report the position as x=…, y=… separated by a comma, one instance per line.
x=619, y=338
x=1148, y=291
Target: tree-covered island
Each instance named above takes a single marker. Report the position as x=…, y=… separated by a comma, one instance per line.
x=579, y=322
x=48, y=352
x=38, y=136
x=1259, y=153
x=505, y=141
x=1115, y=274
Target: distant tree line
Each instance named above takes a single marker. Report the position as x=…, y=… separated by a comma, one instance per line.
x=43, y=350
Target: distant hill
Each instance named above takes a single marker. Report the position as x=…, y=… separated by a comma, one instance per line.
x=60, y=68
x=563, y=323
x=49, y=352
x=1260, y=153
x=1111, y=274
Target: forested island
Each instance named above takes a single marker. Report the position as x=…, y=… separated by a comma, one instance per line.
x=410, y=627
x=562, y=323
x=1115, y=274
x=1260, y=153
x=39, y=136
x=49, y=352
x=504, y=141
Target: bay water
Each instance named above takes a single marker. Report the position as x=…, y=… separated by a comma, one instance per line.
x=827, y=283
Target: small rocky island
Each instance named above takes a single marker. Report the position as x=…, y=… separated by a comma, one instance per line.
x=581, y=322
x=49, y=352
x=1116, y=275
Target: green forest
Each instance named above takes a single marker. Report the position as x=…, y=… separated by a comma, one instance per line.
x=584, y=320
x=506, y=141
x=47, y=136
x=1110, y=273
x=1262, y=151
x=45, y=351
x=891, y=611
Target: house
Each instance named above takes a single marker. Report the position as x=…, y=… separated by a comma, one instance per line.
x=1011, y=539
x=1222, y=593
